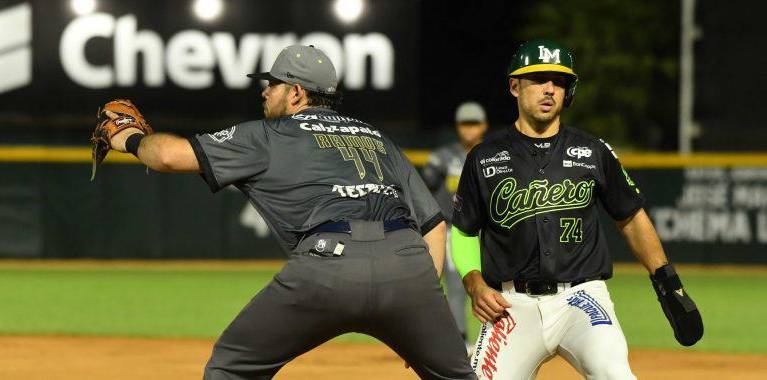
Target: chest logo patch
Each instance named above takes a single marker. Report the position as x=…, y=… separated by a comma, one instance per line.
x=491, y=171
x=572, y=164
x=499, y=157
x=511, y=204
x=578, y=151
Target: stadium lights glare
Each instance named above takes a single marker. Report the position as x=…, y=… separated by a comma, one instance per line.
x=83, y=7
x=349, y=11
x=208, y=10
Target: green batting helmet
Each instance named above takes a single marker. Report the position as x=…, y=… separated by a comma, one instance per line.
x=542, y=55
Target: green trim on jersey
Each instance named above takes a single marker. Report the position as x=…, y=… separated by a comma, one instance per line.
x=465, y=251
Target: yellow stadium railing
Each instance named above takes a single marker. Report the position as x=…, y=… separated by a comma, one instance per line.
x=82, y=154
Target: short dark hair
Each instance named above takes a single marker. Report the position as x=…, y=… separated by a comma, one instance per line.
x=319, y=99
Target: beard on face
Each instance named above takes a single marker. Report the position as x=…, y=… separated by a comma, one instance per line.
x=278, y=108
x=543, y=117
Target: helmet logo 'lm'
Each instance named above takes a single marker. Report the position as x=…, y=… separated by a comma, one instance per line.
x=547, y=55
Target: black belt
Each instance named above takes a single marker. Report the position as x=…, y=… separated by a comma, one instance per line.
x=543, y=287
x=345, y=228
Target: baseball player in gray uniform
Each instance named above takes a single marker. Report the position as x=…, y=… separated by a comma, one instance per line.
x=365, y=236
x=441, y=175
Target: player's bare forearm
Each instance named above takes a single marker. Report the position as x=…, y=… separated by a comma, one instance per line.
x=435, y=239
x=643, y=240
x=163, y=152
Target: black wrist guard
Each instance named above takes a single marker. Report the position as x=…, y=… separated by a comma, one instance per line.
x=132, y=143
x=679, y=308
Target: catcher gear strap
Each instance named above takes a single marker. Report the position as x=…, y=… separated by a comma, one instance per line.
x=465, y=251
x=542, y=55
x=679, y=308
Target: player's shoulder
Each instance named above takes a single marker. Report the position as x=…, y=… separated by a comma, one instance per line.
x=580, y=138
x=496, y=135
x=238, y=131
x=494, y=140
x=493, y=147
x=251, y=128
x=250, y=124
x=579, y=135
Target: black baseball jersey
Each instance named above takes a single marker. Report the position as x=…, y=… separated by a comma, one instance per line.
x=533, y=203
x=302, y=170
x=442, y=172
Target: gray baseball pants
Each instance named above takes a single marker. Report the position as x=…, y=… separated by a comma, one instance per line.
x=384, y=285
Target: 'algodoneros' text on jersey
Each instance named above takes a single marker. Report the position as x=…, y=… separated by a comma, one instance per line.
x=534, y=211
x=302, y=170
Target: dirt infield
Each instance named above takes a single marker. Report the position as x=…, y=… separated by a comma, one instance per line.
x=65, y=358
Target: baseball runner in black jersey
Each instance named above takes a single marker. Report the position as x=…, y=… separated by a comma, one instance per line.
x=365, y=236
x=528, y=241
x=441, y=175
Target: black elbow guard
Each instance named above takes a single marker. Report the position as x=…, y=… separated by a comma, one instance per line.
x=679, y=308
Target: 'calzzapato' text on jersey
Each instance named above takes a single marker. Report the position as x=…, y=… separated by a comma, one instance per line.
x=315, y=166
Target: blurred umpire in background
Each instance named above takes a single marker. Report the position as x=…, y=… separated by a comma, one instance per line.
x=366, y=237
x=441, y=175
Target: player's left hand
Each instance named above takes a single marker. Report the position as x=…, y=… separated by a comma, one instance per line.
x=487, y=304
x=679, y=308
x=114, y=118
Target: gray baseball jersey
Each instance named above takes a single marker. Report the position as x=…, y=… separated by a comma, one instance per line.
x=302, y=170
x=442, y=173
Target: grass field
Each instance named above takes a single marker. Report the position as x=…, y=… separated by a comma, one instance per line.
x=172, y=300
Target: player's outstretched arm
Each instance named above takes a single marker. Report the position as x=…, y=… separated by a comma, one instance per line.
x=677, y=305
x=163, y=152
x=435, y=239
x=121, y=126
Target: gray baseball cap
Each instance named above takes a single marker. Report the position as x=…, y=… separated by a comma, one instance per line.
x=470, y=112
x=304, y=65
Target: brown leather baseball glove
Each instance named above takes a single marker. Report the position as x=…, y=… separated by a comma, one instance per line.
x=113, y=117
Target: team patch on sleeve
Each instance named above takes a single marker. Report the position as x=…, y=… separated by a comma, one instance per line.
x=591, y=307
x=223, y=135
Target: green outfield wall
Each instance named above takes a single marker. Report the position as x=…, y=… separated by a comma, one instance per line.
x=709, y=208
